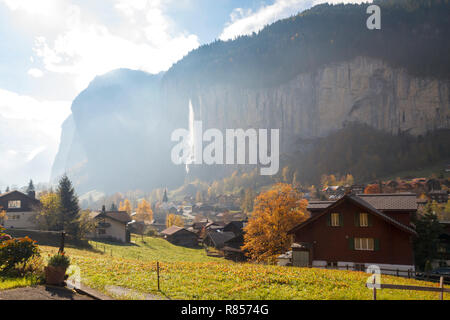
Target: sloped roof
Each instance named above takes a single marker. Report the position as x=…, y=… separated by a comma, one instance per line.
x=391, y=201
x=219, y=238
x=21, y=193
x=360, y=202
x=119, y=216
x=172, y=230
x=314, y=205
x=382, y=202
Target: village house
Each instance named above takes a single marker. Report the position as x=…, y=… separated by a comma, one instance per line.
x=440, y=196
x=21, y=209
x=111, y=225
x=357, y=231
x=180, y=236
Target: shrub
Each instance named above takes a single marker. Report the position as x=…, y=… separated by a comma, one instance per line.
x=34, y=266
x=16, y=251
x=59, y=260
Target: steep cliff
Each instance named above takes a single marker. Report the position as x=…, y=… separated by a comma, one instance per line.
x=314, y=104
x=307, y=76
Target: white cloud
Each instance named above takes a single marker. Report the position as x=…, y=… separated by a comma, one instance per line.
x=29, y=136
x=35, y=73
x=245, y=22
x=142, y=38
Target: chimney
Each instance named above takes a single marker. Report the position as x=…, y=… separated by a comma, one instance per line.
x=32, y=194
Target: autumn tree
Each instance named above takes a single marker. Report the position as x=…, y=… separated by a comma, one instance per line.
x=275, y=212
x=199, y=196
x=144, y=212
x=3, y=216
x=174, y=220
x=48, y=217
x=372, y=188
x=247, y=201
x=125, y=206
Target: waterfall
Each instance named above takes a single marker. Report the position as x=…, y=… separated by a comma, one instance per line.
x=190, y=158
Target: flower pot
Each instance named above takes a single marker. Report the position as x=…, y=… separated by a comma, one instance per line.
x=55, y=275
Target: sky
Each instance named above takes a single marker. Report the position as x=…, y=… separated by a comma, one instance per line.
x=51, y=49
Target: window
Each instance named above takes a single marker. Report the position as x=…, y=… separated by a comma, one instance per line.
x=363, y=220
x=335, y=219
x=366, y=244
x=14, y=204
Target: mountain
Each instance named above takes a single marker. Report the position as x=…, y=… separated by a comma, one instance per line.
x=308, y=76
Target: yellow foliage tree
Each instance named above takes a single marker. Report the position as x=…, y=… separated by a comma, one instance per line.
x=174, y=220
x=49, y=216
x=3, y=217
x=125, y=206
x=275, y=212
x=144, y=212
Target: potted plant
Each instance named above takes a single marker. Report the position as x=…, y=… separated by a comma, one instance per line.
x=55, y=271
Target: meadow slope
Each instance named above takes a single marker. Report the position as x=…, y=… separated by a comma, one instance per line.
x=190, y=274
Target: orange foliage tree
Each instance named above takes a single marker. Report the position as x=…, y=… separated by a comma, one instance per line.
x=125, y=206
x=275, y=212
x=372, y=188
x=144, y=212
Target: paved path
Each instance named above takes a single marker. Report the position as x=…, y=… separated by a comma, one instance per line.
x=42, y=293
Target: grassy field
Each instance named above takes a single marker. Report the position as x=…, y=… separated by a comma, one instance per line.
x=190, y=274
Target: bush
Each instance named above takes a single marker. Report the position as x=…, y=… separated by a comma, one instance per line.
x=16, y=251
x=4, y=236
x=34, y=266
x=59, y=260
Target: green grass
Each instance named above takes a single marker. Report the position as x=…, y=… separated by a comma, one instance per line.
x=11, y=283
x=190, y=274
x=151, y=249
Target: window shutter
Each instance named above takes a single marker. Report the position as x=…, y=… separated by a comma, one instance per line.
x=369, y=217
x=351, y=243
x=377, y=244
x=341, y=219
x=356, y=219
x=329, y=220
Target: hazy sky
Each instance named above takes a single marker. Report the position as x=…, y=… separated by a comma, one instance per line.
x=51, y=49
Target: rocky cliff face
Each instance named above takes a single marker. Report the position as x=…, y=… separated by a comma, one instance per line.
x=314, y=104
x=119, y=136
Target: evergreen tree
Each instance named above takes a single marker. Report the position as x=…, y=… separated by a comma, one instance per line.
x=426, y=245
x=165, y=199
x=113, y=207
x=30, y=187
x=70, y=210
x=7, y=189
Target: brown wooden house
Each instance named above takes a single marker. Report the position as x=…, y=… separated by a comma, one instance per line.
x=21, y=209
x=357, y=231
x=180, y=236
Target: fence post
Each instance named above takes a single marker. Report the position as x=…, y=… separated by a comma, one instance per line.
x=347, y=267
x=441, y=285
x=63, y=236
x=397, y=272
x=157, y=273
x=374, y=288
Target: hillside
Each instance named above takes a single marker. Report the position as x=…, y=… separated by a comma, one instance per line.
x=308, y=76
x=186, y=278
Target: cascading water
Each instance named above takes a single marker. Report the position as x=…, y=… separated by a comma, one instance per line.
x=190, y=158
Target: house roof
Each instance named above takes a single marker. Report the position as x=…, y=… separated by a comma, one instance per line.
x=219, y=238
x=119, y=216
x=359, y=201
x=391, y=201
x=314, y=205
x=174, y=229
x=382, y=202
x=21, y=193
